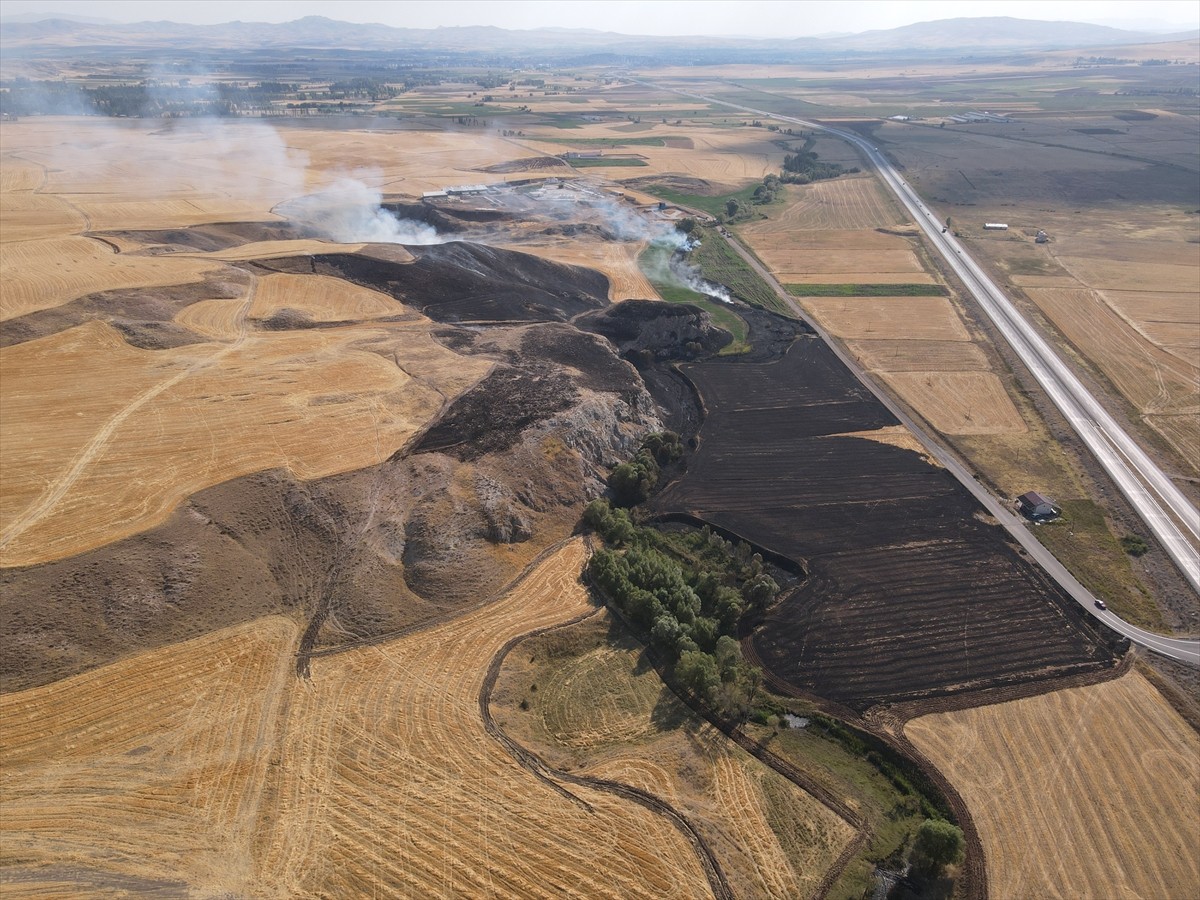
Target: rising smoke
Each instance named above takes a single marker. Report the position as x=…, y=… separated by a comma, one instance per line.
x=350, y=211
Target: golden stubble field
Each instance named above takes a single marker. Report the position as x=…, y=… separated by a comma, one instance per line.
x=101, y=439
x=845, y=231
x=1118, y=282
x=591, y=705
x=209, y=768
x=1084, y=792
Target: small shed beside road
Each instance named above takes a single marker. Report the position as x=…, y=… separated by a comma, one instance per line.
x=1034, y=506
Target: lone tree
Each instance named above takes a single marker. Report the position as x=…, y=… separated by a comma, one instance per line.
x=937, y=845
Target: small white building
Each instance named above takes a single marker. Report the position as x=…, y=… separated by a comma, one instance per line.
x=995, y=226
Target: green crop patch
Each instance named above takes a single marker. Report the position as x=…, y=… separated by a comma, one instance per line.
x=653, y=263
x=866, y=290
x=604, y=142
x=596, y=162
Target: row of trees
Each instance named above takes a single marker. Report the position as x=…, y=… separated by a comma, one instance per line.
x=685, y=593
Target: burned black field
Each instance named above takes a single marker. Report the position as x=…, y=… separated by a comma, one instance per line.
x=910, y=593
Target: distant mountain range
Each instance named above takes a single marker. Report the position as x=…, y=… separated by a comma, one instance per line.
x=964, y=35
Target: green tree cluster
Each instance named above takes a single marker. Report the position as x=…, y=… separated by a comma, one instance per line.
x=685, y=593
x=937, y=845
x=803, y=166
x=631, y=482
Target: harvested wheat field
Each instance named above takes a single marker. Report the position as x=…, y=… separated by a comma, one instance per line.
x=86, y=466
x=26, y=215
x=842, y=204
x=145, y=776
x=916, y=355
x=323, y=299
x=124, y=175
x=1155, y=379
x=1085, y=792
x=726, y=155
x=45, y=273
x=389, y=785
x=408, y=162
x=835, y=257
x=377, y=777
x=919, y=318
x=959, y=402
x=270, y=249
x=618, y=262
x=586, y=701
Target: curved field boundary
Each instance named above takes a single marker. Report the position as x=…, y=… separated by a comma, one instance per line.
x=1083, y=792
x=887, y=723
x=305, y=656
x=547, y=774
x=777, y=764
x=974, y=873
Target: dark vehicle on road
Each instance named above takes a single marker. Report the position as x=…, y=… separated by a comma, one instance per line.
x=1100, y=604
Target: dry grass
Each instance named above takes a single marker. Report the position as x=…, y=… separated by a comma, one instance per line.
x=146, y=774
x=893, y=436
x=1087, y=792
x=959, y=402
x=596, y=708
x=102, y=440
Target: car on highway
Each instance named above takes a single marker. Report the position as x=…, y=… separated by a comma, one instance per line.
x=1100, y=604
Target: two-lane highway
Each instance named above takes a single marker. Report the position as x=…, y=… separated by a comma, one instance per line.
x=1164, y=509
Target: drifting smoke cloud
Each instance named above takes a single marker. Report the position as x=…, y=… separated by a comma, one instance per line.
x=349, y=212
x=625, y=223
x=671, y=265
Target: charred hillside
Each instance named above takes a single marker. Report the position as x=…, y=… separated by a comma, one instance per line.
x=442, y=524
x=474, y=283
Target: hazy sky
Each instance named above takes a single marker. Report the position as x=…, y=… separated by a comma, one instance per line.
x=771, y=18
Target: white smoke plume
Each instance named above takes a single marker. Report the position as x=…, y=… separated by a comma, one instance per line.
x=671, y=265
x=349, y=211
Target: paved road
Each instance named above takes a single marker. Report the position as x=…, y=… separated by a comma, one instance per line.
x=1164, y=509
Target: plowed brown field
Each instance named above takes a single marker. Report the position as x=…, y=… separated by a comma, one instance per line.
x=1086, y=792
x=603, y=712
